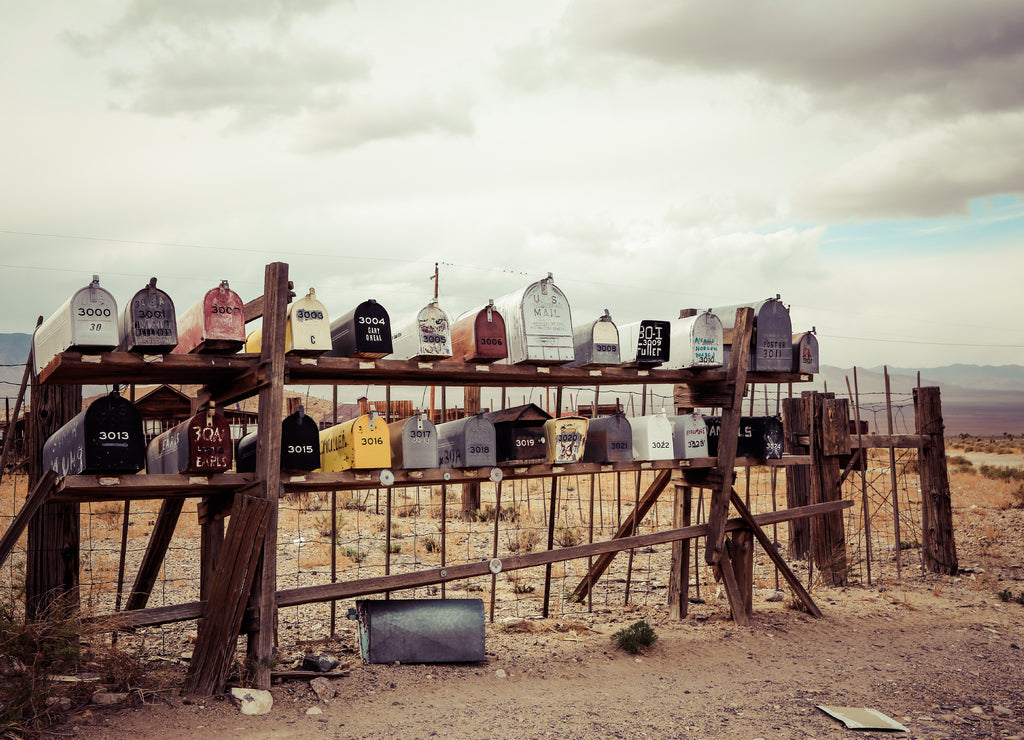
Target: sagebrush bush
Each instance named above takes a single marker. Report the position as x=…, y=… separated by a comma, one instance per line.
x=637, y=635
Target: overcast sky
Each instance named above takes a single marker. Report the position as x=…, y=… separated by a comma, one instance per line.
x=861, y=159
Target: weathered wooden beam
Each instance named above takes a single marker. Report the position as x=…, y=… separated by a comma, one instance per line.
x=114, y=367
x=938, y=546
x=156, y=550
x=38, y=496
x=85, y=488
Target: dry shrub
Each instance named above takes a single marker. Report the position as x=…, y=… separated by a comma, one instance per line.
x=522, y=540
x=568, y=536
x=314, y=555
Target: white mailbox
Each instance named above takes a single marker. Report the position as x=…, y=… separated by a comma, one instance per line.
x=689, y=436
x=428, y=336
x=652, y=437
x=696, y=341
x=87, y=322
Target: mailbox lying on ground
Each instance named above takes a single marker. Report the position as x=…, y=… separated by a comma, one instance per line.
x=420, y=630
x=87, y=322
x=538, y=324
x=106, y=437
x=148, y=322
x=609, y=439
x=466, y=443
x=213, y=324
x=362, y=443
x=363, y=332
x=200, y=445
x=413, y=443
x=426, y=337
x=479, y=336
x=596, y=343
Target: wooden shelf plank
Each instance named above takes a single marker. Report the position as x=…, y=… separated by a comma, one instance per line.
x=139, y=487
x=75, y=368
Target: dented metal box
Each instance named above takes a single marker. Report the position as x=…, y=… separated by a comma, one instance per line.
x=519, y=432
x=300, y=445
x=421, y=630
x=200, y=445
x=106, y=437
x=652, y=437
x=362, y=443
x=596, y=343
x=307, y=330
x=538, y=324
x=805, y=353
x=697, y=341
x=364, y=332
x=771, y=344
x=213, y=324
x=646, y=343
x=479, y=336
x=413, y=443
x=609, y=439
x=759, y=437
x=426, y=337
x=689, y=436
x=148, y=322
x=87, y=322
x=566, y=438
x=467, y=443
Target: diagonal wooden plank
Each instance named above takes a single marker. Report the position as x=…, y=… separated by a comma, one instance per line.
x=159, y=541
x=732, y=590
x=35, y=499
x=769, y=548
x=626, y=529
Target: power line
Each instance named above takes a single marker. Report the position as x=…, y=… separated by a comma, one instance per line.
x=915, y=341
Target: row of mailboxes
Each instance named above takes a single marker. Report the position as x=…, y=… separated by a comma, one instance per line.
x=199, y=445
x=759, y=437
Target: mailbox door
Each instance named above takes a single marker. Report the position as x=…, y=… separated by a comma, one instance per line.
x=697, y=342
x=332, y=453
x=214, y=324
x=480, y=444
x=772, y=348
x=566, y=439
x=371, y=443
x=547, y=324
x=653, y=342
x=433, y=333
x=210, y=449
x=363, y=332
x=94, y=319
x=148, y=322
x=488, y=339
x=805, y=353
x=689, y=436
x=299, y=443
x=652, y=437
x=519, y=441
x=419, y=443
x=308, y=330
x=609, y=439
x=596, y=344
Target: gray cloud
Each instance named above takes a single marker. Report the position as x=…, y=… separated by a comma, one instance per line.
x=948, y=55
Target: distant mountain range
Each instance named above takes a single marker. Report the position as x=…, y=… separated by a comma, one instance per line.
x=976, y=399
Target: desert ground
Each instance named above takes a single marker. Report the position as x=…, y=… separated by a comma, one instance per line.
x=940, y=654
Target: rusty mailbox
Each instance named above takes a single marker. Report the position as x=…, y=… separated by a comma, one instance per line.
x=519, y=432
x=538, y=324
x=106, y=437
x=771, y=344
x=426, y=337
x=466, y=443
x=413, y=443
x=362, y=443
x=86, y=322
x=300, y=445
x=652, y=437
x=307, y=329
x=213, y=324
x=609, y=439
x=759, y=437
x=805, y=352
x=646, y=343
x=479, y=336
x=364, y=332
x=696, y=341
x=200, y=445
x=596, y=343
x=689, y=436
x=148, y=323
x=565, y=439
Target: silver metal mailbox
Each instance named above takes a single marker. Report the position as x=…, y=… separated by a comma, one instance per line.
x=106, y=437
x=215, y=323
x=86, y=322
x=519, y=432
x=148, y=322
x=697, y=341
x=689, y=436
x=609, y=439
x=771, y=347
x=652, y=437
x=413, y=443
x=421, y=630
x=428, y=336
x=805, y=352
x=467, y=443
x=538, y=324
x=596, y=343
x=646, y=343
x=365, y=332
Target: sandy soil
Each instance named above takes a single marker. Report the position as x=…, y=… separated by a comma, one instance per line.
x=942, y=655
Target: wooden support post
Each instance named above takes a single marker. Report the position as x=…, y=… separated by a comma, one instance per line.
x=52, y=559
x=471, y=491
x=798, y=477
x=742, y=554
x=494, y=544
x=829, y=437
x=938, y=546
x=268, y=464
x=679, y=571
x=862, y=464
x=894, y=490
x=551, y=518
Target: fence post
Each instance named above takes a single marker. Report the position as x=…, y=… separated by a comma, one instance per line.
x=938, y=545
